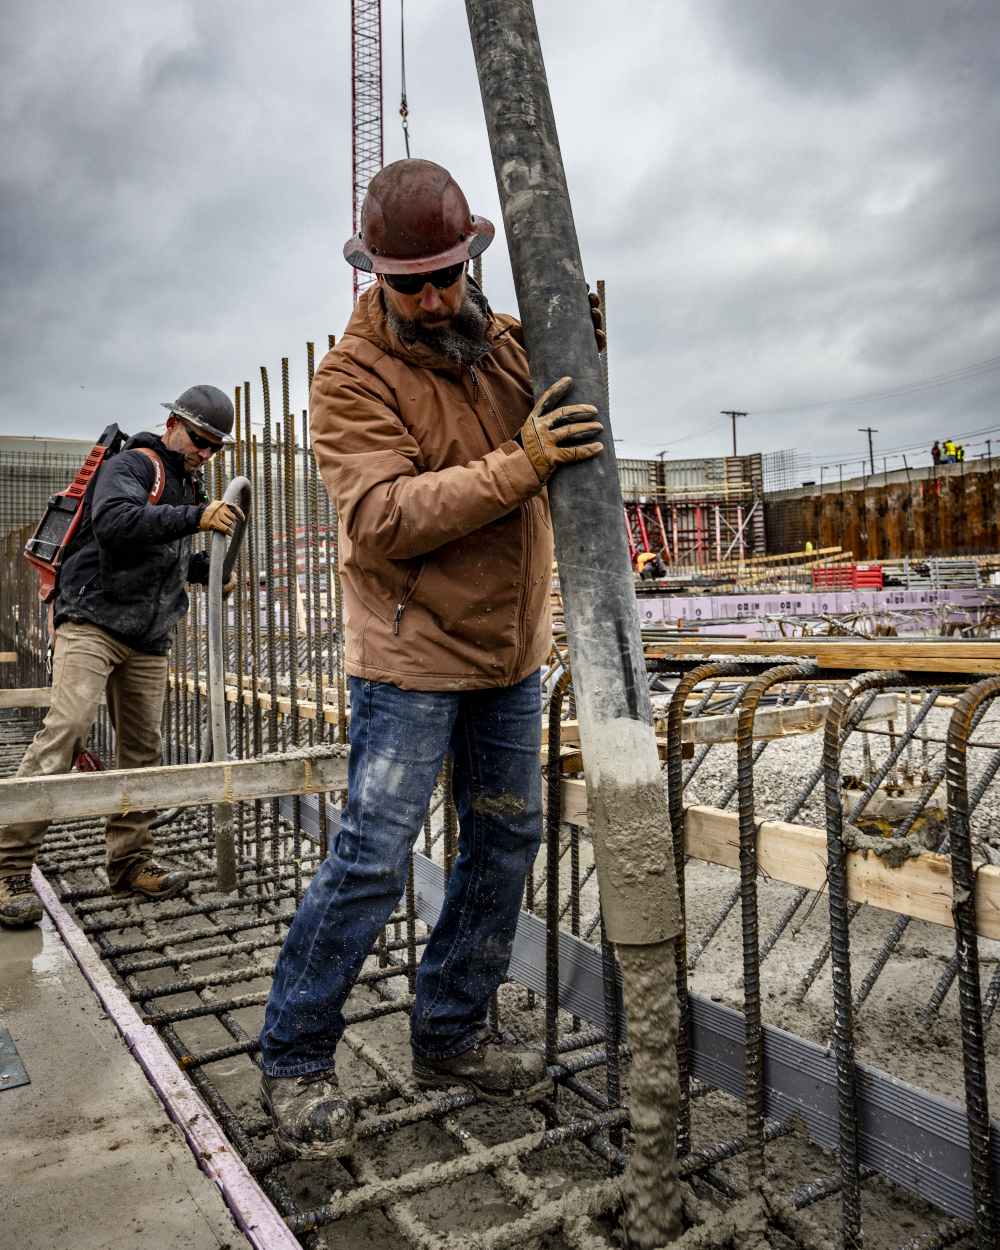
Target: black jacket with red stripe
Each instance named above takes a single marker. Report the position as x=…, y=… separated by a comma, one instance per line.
x=130, y=560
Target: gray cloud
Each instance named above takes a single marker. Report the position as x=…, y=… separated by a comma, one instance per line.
x=787, y=204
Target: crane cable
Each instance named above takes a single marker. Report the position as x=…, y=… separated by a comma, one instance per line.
x=404, y=111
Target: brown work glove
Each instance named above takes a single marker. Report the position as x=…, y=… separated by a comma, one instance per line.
x=221, y=517
x=544, y=446
x=597, y=318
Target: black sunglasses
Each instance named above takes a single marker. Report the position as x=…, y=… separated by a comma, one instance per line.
x=413, y=283
x=199, y=440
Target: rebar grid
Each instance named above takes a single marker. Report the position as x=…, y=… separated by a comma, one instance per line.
x=202, y=962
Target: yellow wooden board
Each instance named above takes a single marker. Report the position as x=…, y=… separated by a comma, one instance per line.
x=796, y=855
x=912, y=654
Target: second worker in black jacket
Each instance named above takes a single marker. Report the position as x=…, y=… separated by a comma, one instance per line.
x=121, y=591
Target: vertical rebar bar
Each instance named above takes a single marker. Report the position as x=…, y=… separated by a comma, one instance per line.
x=967, y=949
x=843, y=1024
x=753, y=1083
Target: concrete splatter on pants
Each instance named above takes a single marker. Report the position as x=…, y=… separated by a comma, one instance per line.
x=86, y=664
x=399, y=739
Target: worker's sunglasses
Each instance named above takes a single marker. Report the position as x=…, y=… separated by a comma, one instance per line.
x=413, y=283
x=199, y=440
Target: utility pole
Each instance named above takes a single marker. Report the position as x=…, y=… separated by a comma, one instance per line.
x=867, y=429
x=628, y=808
x=989, y=453
x=732, y=414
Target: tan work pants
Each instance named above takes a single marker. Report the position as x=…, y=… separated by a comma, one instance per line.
x=88, y=663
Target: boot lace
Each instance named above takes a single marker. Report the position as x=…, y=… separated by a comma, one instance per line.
x=152, y=867
x=312, y=1078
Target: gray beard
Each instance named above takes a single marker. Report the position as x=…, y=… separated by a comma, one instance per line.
x=462, y=341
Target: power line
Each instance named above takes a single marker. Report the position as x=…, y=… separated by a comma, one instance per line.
x=918, y=445
x=973, y=370
x=681, y=438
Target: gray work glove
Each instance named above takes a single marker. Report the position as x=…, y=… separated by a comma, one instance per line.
x=544, y=445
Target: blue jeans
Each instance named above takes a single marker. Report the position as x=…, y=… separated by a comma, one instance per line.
x=399, y=739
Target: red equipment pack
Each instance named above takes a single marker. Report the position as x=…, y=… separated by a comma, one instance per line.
x=54, y=533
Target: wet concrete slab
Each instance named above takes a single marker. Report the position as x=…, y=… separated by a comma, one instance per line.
x=89, y=1158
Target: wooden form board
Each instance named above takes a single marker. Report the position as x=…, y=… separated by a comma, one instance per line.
x=117, y=791
x=770, y=722
x=8, y=657
x=796, y=855
x=307, y=707
x=914, y=655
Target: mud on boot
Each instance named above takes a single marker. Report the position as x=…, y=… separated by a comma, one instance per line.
x=150, y=880
x=20, y=906
x=497, y=1068
x=311, y=1117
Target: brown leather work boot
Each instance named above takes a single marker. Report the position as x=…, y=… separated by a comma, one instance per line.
x=20, y=906
x=151, y=880
x=311, y=1117
x=496, y=1068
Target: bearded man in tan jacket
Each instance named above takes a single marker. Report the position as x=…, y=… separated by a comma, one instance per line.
x=436, y=456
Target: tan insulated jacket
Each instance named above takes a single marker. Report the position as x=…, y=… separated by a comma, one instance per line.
x=445, y=536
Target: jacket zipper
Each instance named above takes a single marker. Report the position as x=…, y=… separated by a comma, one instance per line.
x=407, y=595
x=525, y=510
x=523, y=596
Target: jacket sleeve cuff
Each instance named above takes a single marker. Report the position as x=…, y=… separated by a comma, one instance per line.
x=198, y=569
x=519, y=471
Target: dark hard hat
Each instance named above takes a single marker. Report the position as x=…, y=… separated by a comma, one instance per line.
x=415, y=219
x=206, y=408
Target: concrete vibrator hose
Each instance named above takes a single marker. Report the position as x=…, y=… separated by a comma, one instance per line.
x=222, y=558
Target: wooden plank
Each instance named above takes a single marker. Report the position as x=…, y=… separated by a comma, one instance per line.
x=770, y=722
x=796, y=854
x=8, y=657
x=916, y=655
x=307, y=707
x=77, y=795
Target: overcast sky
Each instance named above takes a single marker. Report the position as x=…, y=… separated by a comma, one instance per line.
x=792, y=204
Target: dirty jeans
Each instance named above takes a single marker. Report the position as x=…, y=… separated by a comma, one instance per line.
x=86, y=663
x=399, y=739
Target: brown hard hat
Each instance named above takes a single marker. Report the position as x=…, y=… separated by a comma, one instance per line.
x=415, y=219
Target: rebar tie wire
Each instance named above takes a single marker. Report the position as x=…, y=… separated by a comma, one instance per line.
x=675, y=807
x=748, y=829
x=902, y=923
x=843, y=1028
x=963, y=875
x=860, y=804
